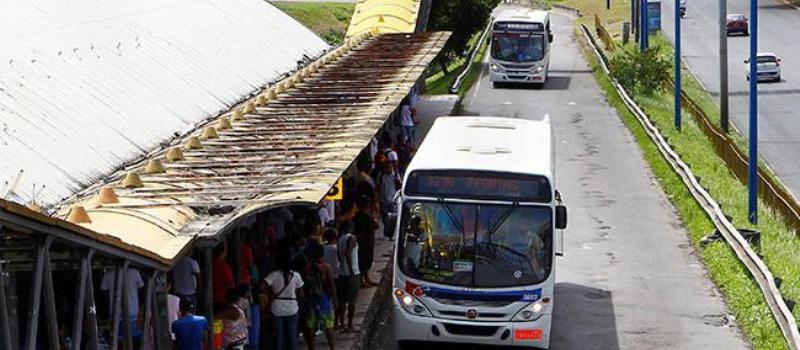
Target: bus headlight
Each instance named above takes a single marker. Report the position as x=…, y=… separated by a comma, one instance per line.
x=411, y=304
x=495, y=68
x=530, y=312
x=538, y=69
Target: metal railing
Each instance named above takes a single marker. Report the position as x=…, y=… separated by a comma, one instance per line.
x=757, y=268
x=468, y=66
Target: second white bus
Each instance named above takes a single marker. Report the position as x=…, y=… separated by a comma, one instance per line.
x=520, y=46
x=476, y=236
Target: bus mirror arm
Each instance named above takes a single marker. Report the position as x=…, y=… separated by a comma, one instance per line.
x=561, y=217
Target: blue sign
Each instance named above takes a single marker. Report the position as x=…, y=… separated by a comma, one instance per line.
x=654, y=15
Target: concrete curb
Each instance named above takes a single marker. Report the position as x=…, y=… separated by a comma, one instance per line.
x=380, y=301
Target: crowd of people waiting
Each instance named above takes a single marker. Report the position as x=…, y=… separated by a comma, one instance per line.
x=300, y=268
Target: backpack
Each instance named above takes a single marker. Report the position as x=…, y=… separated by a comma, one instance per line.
x=314, y=286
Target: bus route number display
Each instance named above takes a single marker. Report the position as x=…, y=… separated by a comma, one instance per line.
x=518, y=27
x=479, y=186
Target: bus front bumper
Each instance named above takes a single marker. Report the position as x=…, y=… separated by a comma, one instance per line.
x=529, y=78
x=408, y=327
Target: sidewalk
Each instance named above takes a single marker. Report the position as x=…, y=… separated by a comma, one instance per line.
x=371, y=299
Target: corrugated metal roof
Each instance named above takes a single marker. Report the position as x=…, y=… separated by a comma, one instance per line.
x=384, y=16
x=288, y=145
x=88, y=85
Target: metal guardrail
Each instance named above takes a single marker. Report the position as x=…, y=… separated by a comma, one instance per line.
x=748, y=257
x=460, y=78
x=770, y=190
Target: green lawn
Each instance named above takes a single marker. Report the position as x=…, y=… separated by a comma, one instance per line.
x=328, y=19
x=438, y=83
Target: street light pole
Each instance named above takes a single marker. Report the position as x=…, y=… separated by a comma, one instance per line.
x=752, y=174
x=645, y=32
x=678, y=65
x=723, y=66
x=635, y=12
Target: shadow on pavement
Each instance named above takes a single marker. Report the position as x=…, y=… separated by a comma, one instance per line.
x=552, y=83
x=583, y=318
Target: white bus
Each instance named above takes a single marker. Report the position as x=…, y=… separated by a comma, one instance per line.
x=475, y=240
x=520, y=46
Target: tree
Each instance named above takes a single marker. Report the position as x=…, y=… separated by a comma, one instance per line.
x=463, y=18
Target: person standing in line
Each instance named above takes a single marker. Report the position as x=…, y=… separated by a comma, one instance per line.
x=234, y=320
x=190, y=330
x=364, y=229
x=330, y=251
x=407, y=122
x=388, y=183
x=222, y=274
x=173, y=306
x=349, y=281
x=403, y=151
x=135, y=282
x=320, y=293
x=185, y=273
x=248, y=265
x=284, y=287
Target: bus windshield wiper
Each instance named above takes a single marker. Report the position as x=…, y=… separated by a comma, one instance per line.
x=452, y=216
x=501, y=220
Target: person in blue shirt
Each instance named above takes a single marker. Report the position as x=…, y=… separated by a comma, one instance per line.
x=189, y=329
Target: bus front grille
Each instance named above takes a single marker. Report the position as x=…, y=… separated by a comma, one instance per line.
x=481, y=315
x=478, y=331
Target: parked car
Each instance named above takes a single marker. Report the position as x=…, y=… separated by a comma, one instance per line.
x=737, y=23
x=768, y=67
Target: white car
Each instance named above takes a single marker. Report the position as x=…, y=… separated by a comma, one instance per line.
x=768, y=67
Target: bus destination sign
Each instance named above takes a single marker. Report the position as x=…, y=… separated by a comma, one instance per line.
x=518, y=27
x=478, y=185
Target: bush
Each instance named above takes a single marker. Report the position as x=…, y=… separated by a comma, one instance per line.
x=641, y=73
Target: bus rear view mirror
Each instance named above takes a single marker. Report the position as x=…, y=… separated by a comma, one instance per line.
x=550, y=37
x=561, y=217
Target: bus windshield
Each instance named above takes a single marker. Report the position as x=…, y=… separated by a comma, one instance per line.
x=475, y=245
x=518, y=47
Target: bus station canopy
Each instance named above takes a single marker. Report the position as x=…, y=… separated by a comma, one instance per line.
x=287, y=145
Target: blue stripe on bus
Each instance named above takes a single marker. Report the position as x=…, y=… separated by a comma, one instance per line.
x=476, y=295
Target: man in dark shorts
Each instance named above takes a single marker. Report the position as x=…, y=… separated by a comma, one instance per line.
x=349, y=280
x=364, y=229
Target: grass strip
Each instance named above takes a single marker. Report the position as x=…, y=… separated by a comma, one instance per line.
x=439, y=83
x=741, y=293
x=329, y=20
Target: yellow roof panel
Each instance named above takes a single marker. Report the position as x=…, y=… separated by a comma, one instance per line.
x=384, y=16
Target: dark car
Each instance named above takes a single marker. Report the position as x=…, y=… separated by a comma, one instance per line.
x=737, y=24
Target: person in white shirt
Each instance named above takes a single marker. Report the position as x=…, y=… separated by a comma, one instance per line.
x=388, y=184
x=284, y=288
x=135, y=282
x=407, y=122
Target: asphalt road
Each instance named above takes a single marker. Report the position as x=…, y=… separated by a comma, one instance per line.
x=778, y=103
x=629, y=279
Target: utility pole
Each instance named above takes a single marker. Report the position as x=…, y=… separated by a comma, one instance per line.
x=635, y=20
x=645, y=32
x=723, y=66
x=752, y=166
x=678, y=65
